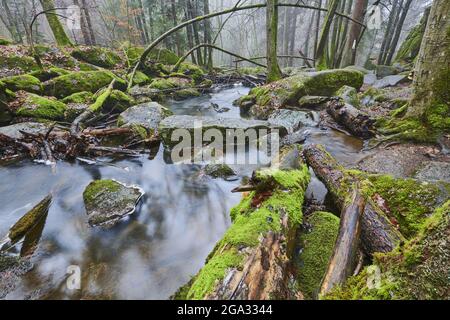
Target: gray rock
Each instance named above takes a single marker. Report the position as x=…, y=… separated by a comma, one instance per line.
x=108, y=201
x=219, y=171
x=146, y=115
x=145, y=94
x=172, y=123
x=291, y=120
x=370, y=79
x=390, y=81
x=11, y=271
x=297, y=137
x=384, y=71
x=349, y=95
x=13, y=131
x=313, y=102
x=358, y=68
x=433, y=171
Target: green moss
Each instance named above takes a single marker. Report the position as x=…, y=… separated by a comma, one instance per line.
x=243, y=207
x=23, y=82
x=50, y=73
x=97, y=187
x=5, y=42
x=38, y=107
x=411, y=202
x=91, y=81
x=317, y=242
x=349, y=95
x=193, y=71
x=141, y=78
x=101, y=57
x=16, y=61
x=375, y=94
x=212, y=272
x=117, y=101
x=252, y=71
x=29, y=220
x=83, y=97
x=186, y=93
x=416, y=270
x=164, y=56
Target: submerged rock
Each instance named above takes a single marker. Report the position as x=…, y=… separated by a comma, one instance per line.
x=219, y=171
x=291, y=120
x=144, y=118
x=189, y=123
x=108, y=201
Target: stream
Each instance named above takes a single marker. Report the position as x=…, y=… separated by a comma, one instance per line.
x=163, y=244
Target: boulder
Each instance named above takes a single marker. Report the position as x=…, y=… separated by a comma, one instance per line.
x=145, y=94
x=109, y=201
x=313, y=102
x=24, y=82
x=384, y=71
x=297, y=137
x=80, y=97
x=14, y=131
x=97, y=56
x=349, y=95
x=172, y=123
x=219, y=171
x=434, y=171
x=74, y=82
x=291, y=120
x=116, y=102
x=34, y=106
x=370, y=79
x=289, y=90
x=144, y=118
x=390, y=81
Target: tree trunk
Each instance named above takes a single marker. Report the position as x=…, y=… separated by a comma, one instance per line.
x=398, y=31
x=11, y=23
x=87, y=16
x=378, y=234
x=432, y=75
x=274, y=72
x=207, y=36
x=173, y=9
x=321, y=59
x=349, y=56
x=55, y=25
x=84, y=28
x=388, y=32
x=316, y=38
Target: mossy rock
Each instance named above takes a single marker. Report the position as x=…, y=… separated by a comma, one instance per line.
x=141, y=79
x=24, y=63
x=97, y=56
x=50, y=73
x=74, y=82
x=117, y=101
x=109, y=201
x=186, y=94
x=289, y=90
x=219, y=171
x=24, y=82
x=317, y=241
x=416, y=270
x=34, y=106
x=349, y=95
x=74, y=110
x=164, y=56
x=84, y=97
x=384, y=71
x=253, y=71
x=5, y=42
x=193, y=71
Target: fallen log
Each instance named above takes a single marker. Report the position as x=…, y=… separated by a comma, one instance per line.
x=357, y=122
x=345, y=258
x=252, y=260
x=378, y=234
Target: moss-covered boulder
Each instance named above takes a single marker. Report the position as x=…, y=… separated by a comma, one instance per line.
x=192, y=70
x=349, y=95
x=6, y=95
x=163, y=55
x=186, y=94
x=116, y=102
x=316, y=243
x=24, y=82
x=219, y=171
x=50, y=73
x=416, y=270
x=109, y=201
x=74, y=82
x=37, y=107
x=288, y=91
x=5, y=42
x=101, y=57
x=85, y=97
x=384, y=71
x=74, y=110
x=144, y=119
x=15, y=60
x=141, y=79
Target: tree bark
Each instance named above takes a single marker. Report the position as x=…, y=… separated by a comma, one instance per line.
x=87, y=16
x=398, y=31
x=83, y=25
x=55, y=25
x=321, y=59
x=273, y=72
x=349, y=55
x=432, y=75
x=378, y=234
x=388, y=31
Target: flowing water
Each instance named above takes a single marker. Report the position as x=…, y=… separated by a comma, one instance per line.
x=160, y=246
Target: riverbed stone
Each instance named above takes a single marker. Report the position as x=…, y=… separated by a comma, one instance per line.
x=434, y=171
x=219, y=171
x=14, y=131
x=144, y=118
x=349, y=95
x=109, y=201
x=172, y=123
x=313, y=102
x=291, y=120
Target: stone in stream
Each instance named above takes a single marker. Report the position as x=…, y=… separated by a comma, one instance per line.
x=291, y=120
x=14, y=131
x=219, y=171
x=169, y=125
x=390, y=81
x=297, y=137
x=313, y=102
x=143, y=118
x=11, y=271
x=108, y=201
x=433, y=171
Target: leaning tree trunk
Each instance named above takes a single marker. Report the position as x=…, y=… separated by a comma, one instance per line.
x=274, y=72
x=321, y=59
x=432, y=74
x=355, y=31
x=58, y=31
